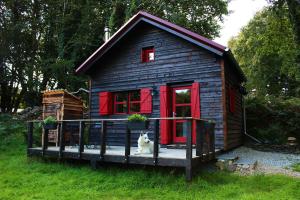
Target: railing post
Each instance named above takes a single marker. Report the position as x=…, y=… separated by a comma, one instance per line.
x=81, y=138
x=61, y=140
x=127, y=145
x=29, y=136
x=45, y=141
x=103, y=140
x=212, y=140
x=156, y=137
x=200, y=138
x=189, y=151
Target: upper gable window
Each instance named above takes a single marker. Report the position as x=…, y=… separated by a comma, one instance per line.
x=148, y=54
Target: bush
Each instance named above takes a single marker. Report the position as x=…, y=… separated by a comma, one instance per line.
x=137, y=118
x=11, y=129
x=274, y=119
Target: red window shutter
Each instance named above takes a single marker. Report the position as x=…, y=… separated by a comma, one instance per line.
x=232, y=100
x=195, y=100
x=195, y=103
x=146, y=101
x=105, y=103
x=165, y=125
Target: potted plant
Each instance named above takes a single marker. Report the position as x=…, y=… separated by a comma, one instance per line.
x=137, y=122
x=50, y=123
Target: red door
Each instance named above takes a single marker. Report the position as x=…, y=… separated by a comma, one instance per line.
x=181, y=108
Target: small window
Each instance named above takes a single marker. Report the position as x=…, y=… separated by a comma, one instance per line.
x=121, y=103
x=127, y=102
x=148, y=54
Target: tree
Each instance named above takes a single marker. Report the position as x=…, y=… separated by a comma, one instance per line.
x=267, y=51
x=43, y=41
x=202, y=17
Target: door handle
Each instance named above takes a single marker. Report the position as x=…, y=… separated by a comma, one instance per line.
x=174, y=114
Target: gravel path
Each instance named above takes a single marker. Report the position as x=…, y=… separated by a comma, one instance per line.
x=267, y=162
x=249, y=156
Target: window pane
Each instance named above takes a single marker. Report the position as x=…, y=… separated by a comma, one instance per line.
x=121, y=97
x=135, y=107
x=121, y=108
x=179, y=130
x=151, y=56
x=183, y=111
x=183, y=96
x=135, y=96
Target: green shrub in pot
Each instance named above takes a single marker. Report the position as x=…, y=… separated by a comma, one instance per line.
x=138, y=122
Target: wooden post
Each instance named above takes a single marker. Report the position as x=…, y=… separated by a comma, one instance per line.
x=103, y=140
x=61, y=140
x=29, y=134
x=200, y=138
x=156, y=137
x=81, y=138
x=45, y=141
x=212, y=140
x=189, y=150
x=127, y=145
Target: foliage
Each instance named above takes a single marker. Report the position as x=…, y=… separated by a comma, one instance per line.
x=296, y=167
x=274, y=120
x=267, y=52
x=50, y=120
x=42, y=42
x=137, y=117
x=11, y=128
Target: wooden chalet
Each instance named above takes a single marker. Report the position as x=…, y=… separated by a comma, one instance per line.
x=175, y=77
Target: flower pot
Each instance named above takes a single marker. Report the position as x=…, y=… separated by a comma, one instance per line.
x=50, y=126
x=138, y=125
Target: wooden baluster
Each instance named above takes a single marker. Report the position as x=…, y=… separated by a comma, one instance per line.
x=81, y=138
x=29, y=134
x=189, y=151
x=212, y=140
x=61, y=139
x=198, y=139
x=103, y=139
x=45, y=141
x=156, y=137
x=127, y=145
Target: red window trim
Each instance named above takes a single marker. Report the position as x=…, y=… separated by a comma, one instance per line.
x=145, y=54
x=128, y=103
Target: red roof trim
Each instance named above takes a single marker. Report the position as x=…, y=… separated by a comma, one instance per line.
x=101, y=50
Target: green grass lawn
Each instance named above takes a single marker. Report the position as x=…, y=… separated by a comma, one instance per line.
x=29, y=178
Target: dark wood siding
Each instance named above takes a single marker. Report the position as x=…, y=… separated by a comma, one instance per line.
x=234, y=120
x=176, y=61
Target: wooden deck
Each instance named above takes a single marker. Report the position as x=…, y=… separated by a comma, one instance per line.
x=189, y=158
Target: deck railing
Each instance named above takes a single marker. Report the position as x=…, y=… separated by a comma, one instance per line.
x=204, y=146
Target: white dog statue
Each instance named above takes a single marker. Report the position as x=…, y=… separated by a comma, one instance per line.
x=145, y=145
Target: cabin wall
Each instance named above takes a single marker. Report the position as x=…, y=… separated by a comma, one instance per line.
x=176, y=61
x=235, y=119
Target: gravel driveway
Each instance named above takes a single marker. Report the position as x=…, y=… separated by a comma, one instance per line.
x=268, y=162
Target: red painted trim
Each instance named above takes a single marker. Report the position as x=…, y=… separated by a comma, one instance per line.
x=196, y=107
x=128, y=103
x=130, y=23
x=146, y=100
x=174, y=105
x=165, y=125
x=105, y=103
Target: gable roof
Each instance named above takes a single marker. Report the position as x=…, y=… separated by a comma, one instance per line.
x=165, y=25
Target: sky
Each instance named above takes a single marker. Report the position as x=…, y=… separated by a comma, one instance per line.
x=242, y=11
